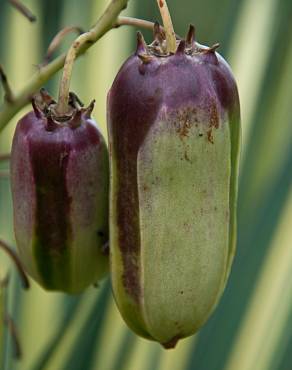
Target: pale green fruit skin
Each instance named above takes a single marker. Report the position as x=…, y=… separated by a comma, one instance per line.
x=186, y=184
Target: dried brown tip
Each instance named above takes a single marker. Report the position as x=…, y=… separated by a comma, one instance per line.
x=213, y=48
x=58, y=38
x=141, y=44
x=89, y=109
x=172, y=343
x=75, y=121
x=146, y=58
x=190, y=35
x=181, y=48
x=74, y=101
x=158, y=33
x=46, y=97
x=37, y=112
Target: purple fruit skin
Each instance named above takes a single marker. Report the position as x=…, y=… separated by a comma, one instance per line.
x=142, y=94
x=60, y=199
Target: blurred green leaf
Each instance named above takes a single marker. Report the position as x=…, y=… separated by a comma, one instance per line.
x=250, y=329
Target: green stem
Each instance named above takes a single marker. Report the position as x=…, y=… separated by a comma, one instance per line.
x=23, y=97
x=105, y=23
x=135, y=22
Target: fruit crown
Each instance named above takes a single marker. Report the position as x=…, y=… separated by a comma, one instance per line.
x=183, y=46
x=44, y=106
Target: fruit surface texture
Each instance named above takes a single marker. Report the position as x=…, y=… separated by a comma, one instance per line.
x=174, y=136
x=59, y=175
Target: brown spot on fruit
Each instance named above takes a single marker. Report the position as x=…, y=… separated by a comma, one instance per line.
x=214, y=117
x=210, y=136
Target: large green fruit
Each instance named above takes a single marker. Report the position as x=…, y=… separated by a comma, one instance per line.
x=174, y=136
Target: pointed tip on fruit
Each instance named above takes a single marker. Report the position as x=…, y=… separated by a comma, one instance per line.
x=209, y=53
x=36, y=110
x=141, y=44
x=156, y=29
x=181, y=48
x=190, y=35
x=146, y=58
x=46, y=97
x=213, y=48
x=76, y=119
x=89, y=109
x=158, y=33
x=74, y=100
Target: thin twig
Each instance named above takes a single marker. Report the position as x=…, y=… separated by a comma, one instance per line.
x=135, y=22
x=6, y=86
x=59, y=38
x=4, y=245
x=13, y=332
x=23, y=10
x=139, y=23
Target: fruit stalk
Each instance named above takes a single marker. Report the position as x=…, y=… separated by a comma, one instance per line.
x=105, y=23
x=167, y=22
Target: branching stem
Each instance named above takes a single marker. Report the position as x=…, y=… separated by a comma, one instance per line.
x=108, y=21
x=82, y=43
x=59, y=37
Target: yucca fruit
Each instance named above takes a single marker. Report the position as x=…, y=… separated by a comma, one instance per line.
x=59, y=176
x=174, y=137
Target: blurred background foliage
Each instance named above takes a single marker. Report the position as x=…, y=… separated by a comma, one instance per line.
x=252, y=327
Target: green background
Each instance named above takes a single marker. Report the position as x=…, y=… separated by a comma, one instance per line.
x=252, y=327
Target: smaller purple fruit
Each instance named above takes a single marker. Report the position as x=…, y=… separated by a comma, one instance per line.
x=59, y=176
